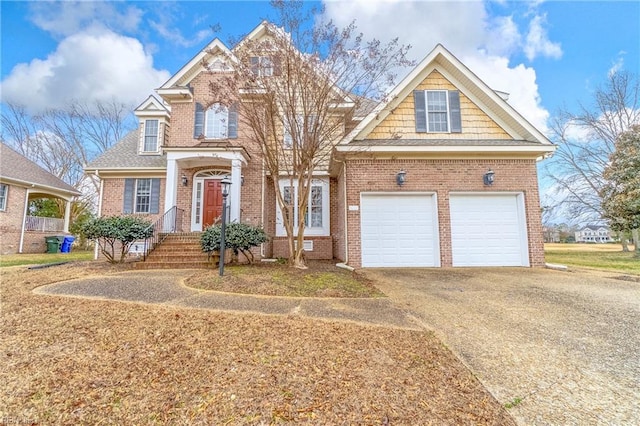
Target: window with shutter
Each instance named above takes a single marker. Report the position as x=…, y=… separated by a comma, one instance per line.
x=437, y=111
x=141, y=196
x=216, y=122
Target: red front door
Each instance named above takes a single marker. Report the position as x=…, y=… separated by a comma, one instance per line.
x=212, y=202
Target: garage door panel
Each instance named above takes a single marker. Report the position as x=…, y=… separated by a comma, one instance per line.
x=398, y=230
x=487, y=230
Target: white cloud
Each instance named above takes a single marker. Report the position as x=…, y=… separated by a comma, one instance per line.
x=537, y=41
x=70, y=17
x=618, y=64
x=175, y=36
x=484, y=43
x=90, y=66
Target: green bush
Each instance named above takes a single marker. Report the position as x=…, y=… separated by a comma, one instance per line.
x=109, y=231
x=239, y=237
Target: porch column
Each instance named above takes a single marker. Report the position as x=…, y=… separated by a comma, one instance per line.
x=171, y=186
x=67, y=215
x=235, y=190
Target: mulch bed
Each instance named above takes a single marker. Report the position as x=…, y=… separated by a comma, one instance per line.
x=74, y=361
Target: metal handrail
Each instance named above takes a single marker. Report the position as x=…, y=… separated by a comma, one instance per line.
x=169, y=223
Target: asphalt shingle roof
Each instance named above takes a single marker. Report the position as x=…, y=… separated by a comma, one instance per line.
x=124, y=154
x=16, y=166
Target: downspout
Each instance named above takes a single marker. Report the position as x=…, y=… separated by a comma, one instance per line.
x=346, y=211
x=100, y=194
x=262, y=208
x=24, y=220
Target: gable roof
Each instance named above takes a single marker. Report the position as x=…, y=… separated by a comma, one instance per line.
x=17, y=168
x=491, y=102
x=152, y=107
x=124, y=156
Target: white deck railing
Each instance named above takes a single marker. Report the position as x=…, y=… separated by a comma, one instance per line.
x=44, y=224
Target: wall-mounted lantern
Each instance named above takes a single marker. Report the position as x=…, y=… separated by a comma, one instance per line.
x=401, y=177
x=185, y=181
x=488, y=177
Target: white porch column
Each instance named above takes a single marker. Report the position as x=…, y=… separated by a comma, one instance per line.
x=171, y=186
x=235, y=190
x=67, y=215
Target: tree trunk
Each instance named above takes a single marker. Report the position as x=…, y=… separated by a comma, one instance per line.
x=636, y=242
x=625, y=241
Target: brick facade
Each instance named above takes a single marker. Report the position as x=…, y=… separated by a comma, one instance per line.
x=11, y=220
x=443, y=177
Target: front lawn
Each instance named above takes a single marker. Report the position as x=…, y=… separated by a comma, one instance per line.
x=608, y=257
x=81, y=361
x=43, y=258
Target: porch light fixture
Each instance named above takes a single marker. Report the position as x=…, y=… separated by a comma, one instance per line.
x=225, y=183
x=401, y=177
x=185, y=181
x=488, y=177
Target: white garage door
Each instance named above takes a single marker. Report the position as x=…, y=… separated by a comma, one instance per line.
x=488, y=230
x=399, y=230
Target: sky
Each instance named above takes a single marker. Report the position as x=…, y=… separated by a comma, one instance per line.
x=546, y=54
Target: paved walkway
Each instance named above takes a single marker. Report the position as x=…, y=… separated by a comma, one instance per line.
x=166, y=287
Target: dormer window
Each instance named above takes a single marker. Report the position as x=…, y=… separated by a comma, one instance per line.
x=261, y=66
x=437, y=111
x=151, y=129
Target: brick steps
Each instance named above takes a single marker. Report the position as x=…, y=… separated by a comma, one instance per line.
x=179, y=251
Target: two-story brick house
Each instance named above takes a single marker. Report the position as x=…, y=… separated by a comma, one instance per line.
x=442, y=174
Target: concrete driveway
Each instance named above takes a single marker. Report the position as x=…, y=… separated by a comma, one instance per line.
x=563, y=348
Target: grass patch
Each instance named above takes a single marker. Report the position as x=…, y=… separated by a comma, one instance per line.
x=608, y=257
x=43, y=258
x=322, y=279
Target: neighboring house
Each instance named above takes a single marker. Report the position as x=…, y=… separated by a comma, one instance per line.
x=593, y=234
x=443, y=174
x=22, y=180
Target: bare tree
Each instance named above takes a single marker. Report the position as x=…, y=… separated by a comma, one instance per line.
x=63, y=140
x=586, y=140
x=295, y=90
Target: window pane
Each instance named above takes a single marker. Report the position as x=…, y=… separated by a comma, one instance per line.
x=315, y=207
x=287, y=195
x=3, y=196
x=143, y=196
x=216, y=120
x=437, y=110
x=150, y=136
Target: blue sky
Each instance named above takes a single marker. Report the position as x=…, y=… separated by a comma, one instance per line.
x=546, y=54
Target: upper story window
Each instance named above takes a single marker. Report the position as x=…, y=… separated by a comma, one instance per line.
x=261, y=66
x=151, y=129
x=437, y=111
x=217, y=122
x=4, y=191
x=303, y=127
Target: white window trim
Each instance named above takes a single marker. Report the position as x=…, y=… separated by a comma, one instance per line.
x=220, y=109
x=3, y=200
x=308, y=231
x=143, y=134
x=135, y=196
x=264, y=66
x=448, y=111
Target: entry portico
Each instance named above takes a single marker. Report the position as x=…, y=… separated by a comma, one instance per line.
x=200, y=164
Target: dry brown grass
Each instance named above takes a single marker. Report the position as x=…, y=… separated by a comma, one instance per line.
x=603, y=248
x=76, y=361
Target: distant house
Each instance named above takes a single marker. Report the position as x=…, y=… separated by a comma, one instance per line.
x=593, y=234
x=22, y=180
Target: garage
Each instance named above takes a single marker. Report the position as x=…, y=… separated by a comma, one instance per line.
x=399, y=230
x=488, y=230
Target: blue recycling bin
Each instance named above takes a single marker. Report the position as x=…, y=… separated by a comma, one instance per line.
x=66, y=244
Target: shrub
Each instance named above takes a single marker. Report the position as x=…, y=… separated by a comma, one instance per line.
x=239, y=237
x=109, y=231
